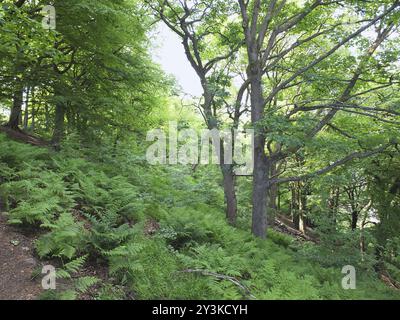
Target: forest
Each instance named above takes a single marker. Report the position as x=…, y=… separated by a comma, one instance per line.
x=278, y=180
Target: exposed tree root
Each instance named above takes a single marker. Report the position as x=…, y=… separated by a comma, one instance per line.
x=21, y=136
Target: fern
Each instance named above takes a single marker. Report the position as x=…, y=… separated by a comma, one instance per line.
x=75, y=265
x=36, y=197
x=124, y=258
x=83, y=284
x=66, y=237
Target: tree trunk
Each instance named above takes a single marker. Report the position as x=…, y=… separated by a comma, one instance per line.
x=230, y=193
x=15, y=116
x=26, y=113
x=59, y=124
x=273, y=191
x=261, y=188
x=294, y=206
x=18, y=95
x=354, y=220
x=262, y=165
x=33, y=123
x=299, y=206
x=302, y=210
x=333, y=204
x=47, y=116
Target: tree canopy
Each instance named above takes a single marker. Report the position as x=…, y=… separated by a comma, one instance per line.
x=316, y=82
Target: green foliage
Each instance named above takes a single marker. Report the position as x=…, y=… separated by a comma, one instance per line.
x=391, y=258
x=65, y=239
x=40, y=197
x=110, y=292
x=103, y=215
x=161, y=232
x=280, y=238
x=338, y=248
x=78, y=284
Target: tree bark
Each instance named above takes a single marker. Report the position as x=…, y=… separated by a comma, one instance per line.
x=333, y=204
x=302, y=210
x=299, y=206
x=230, y=193
x=294, y=205
x=16, y=110
x=26, y=112
x=273, y=191
x=260, y=195
x=354, y=220
x=59, y=124
x=262, y=164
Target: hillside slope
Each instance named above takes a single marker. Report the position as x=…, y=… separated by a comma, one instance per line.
x=151, y=233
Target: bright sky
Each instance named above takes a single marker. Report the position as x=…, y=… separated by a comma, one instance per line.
x=169, y=53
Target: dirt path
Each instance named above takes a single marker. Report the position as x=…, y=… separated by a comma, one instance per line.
x=16, y=265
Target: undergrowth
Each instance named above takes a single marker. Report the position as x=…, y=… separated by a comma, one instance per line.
x=94, y=209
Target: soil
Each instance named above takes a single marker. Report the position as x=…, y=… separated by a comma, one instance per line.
x=17, y=264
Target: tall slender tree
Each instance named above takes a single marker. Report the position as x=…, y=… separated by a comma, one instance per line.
x=199, y=24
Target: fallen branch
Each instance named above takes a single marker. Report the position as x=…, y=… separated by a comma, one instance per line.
x=280, y=224
x=222, y=277
x=385, y=277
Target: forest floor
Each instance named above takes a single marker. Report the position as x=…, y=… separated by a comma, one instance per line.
x=17, y=264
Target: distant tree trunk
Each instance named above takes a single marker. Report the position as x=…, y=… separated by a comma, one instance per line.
x=71, y=118
x=363, y=248
x=18, y=95
x=26, y=113
x=354, y=220
x=33, y=102
x=47, y=116
x=273, y=191
x=229, y=182
x=302, y=210
x=16, y=110
x=59, y=124
x=355, y=212
x=299, y=205
x=230, y=193
x=333, y=204
x=33, y=121
x=294, y=205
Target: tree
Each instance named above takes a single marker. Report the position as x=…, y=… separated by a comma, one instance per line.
x=274, y=33
x=211, y=44
x=24, y=44
x=87, y=75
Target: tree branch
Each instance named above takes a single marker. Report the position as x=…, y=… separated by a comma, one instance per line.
x=355, y=155
x=329, y=53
